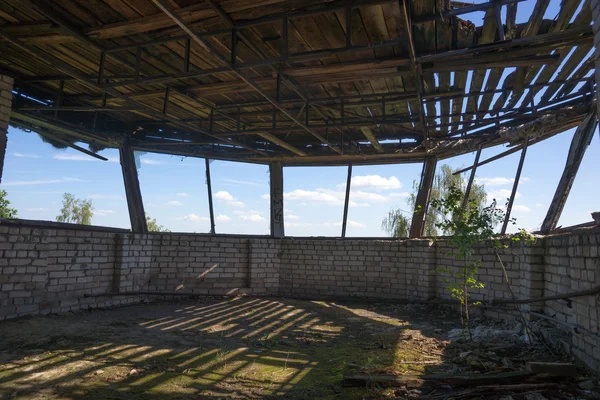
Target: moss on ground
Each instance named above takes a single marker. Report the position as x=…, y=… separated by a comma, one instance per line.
x=241, y=348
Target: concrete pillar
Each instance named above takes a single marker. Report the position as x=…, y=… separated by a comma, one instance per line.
x=595, y=5
x=276, y=178
x=6, y=87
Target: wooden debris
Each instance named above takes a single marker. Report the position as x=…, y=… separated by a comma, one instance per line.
x=361, y=379
x=554, y=369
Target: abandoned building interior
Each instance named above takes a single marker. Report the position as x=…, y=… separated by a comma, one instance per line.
x=96, y=312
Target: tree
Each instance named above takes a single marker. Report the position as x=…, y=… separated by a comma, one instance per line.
x=467, y=228
x=397, y=222
x=153, y=226
x=5, y=210
x=76, y=211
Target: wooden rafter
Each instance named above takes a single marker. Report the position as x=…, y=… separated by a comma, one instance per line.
x=417, y=225
x=166, y=8
x=581, y=140
x=346, y=71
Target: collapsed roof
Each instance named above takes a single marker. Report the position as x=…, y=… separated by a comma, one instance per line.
x=301, y=82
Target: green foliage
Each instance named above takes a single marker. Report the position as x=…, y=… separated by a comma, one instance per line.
x=397, y=222
x=466, y=227
x=5, y=210
x=153, y=226
x=75, y=211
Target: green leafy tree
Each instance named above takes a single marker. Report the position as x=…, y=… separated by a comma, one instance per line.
x=466, y=228
x=76, y=211
x=153, y=226
x=397, y=222
x=5, y=210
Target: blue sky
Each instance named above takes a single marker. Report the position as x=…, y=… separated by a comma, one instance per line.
x=174, y=188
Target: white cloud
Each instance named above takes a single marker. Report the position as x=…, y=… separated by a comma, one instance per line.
x=318, y=196
x=40, y=209
x=222, y=218
x=367, y=196
x=291, y=216
x=358, y=198
x=247, y=183
x=150, y=161
x=356, y=224
x=339, y=224
x=41, y=182
x=251, y=215
x=26, y=155
x=521, y=208
x=183, y=194
x=539, y=205
x=174, y=203
x=501, y=194
x=103, y=213
x=229, y=199
x=498, y=181
x=399, y=194
x=80, y=157
x=374, y=182
x=297, y=224
x=193, y=217
x=266, y=196
x=104, y=196
x=223, y=195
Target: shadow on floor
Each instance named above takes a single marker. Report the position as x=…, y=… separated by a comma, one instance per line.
x=216, y=348
x=246, y=348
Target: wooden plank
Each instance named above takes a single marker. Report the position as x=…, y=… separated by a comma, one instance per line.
x=584, y=18
x=553, y=368
x=465, y=36
x=525, y=76
x=281, y=143
x=582, y=71
x=422, y=201
x=65, y=68
x=416, y=71
x=162, y=4
x=488, y=34
x=366, y=379
x=579, y=144
x=137, y=216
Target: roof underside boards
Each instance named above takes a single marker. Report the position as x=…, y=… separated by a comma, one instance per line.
x=293, y=81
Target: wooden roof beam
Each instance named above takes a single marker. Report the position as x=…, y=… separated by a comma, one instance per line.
x=166, y=8
x=73, y=72
x=579, y=144
x=416, y=68
x=462, y=10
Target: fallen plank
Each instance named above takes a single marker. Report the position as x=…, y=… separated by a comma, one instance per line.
x=519, y=387
x=363, y=379
x=554, y=369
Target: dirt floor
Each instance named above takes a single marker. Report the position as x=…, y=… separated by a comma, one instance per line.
x=249, y=348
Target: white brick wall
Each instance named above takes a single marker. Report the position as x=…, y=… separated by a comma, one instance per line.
x=50, y=270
